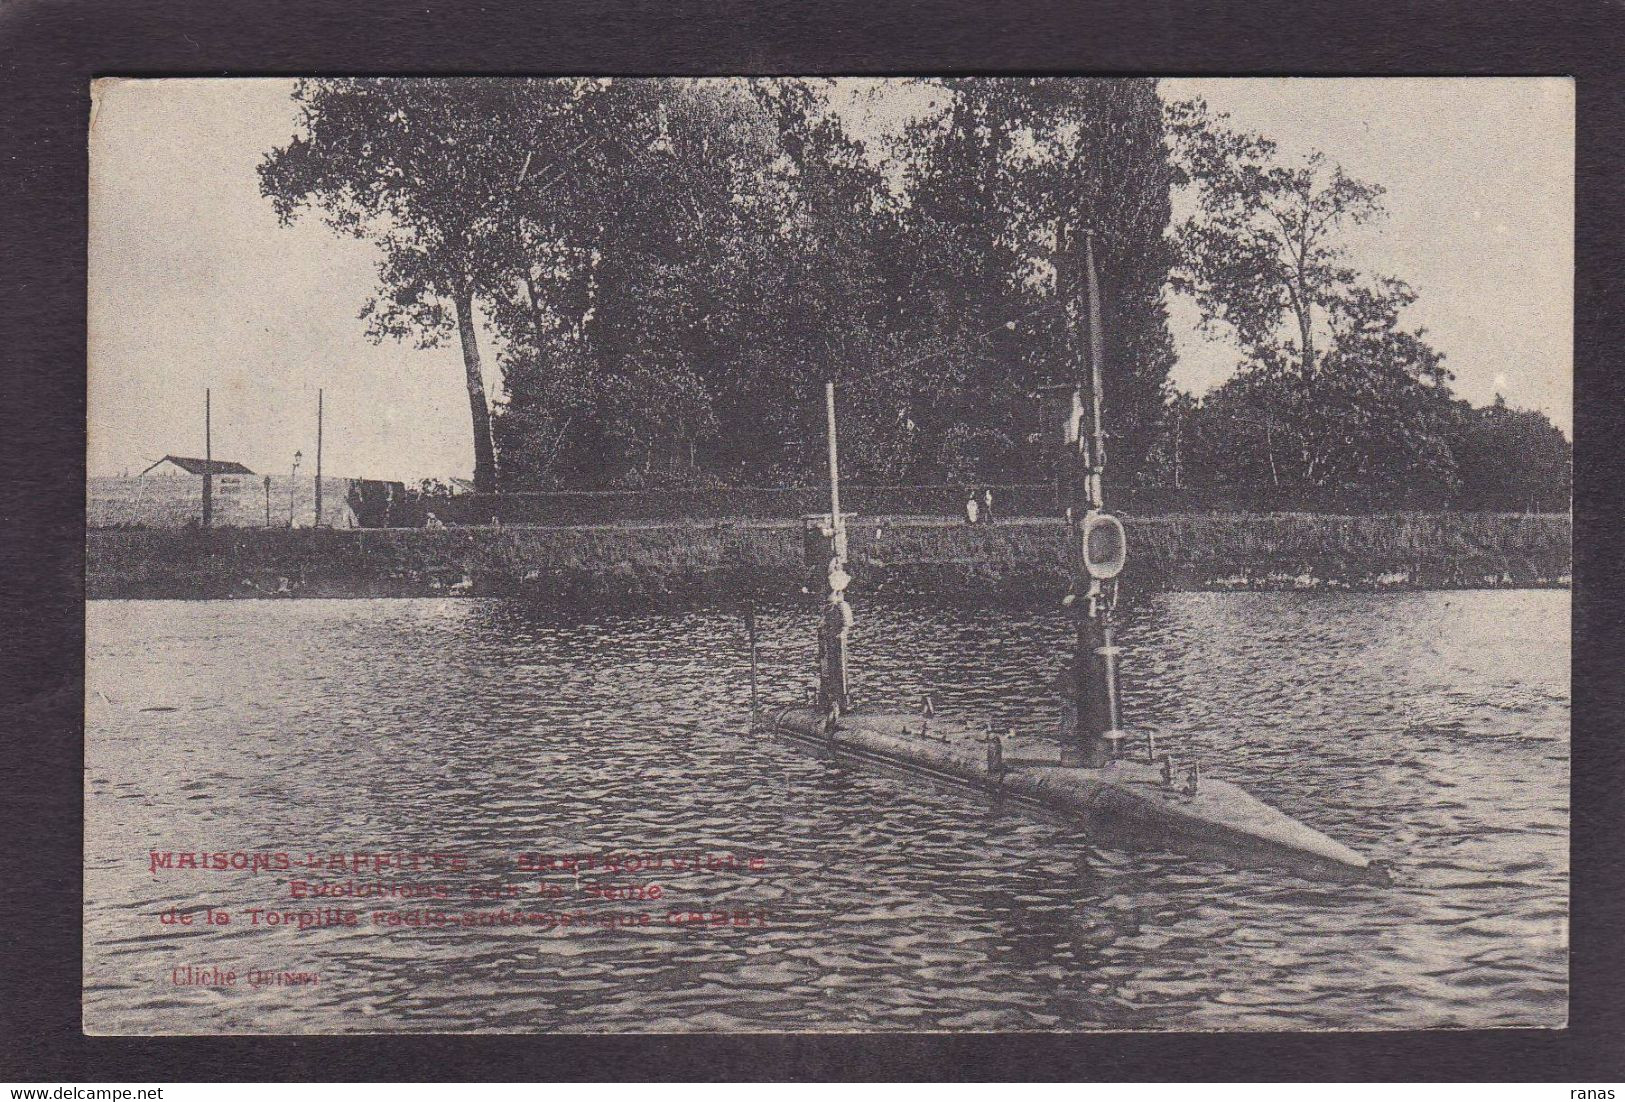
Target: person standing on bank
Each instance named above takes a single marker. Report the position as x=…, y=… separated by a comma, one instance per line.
x=987, y=505
x=972, y=508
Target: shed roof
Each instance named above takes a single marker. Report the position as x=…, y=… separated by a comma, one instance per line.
x=199, y=466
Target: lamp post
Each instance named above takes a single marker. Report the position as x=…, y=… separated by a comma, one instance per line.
x=293, y=481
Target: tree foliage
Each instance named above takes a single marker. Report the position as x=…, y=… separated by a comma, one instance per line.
x=665, y=272
x=1003, y=184
x=1264, y=253
x=1336, y=401
x=1512, y=459
x=668, y=269
x=426, y=170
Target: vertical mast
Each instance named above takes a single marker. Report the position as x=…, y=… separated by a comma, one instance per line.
x=208, y=462
x=318, y=459
x=1097, y=431
x=1102, y=552
x=836, y=617
x=837, y=525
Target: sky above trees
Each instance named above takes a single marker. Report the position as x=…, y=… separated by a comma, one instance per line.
x=193, y=282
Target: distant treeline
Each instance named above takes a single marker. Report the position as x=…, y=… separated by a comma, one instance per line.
x=671, y=268
x=1244, y=446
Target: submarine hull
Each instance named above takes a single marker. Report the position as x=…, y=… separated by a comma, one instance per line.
x=1125, y=803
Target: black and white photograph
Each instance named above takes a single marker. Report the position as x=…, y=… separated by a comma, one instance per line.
x=949, y=555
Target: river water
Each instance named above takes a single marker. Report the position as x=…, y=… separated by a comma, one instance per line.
x=1430, y=729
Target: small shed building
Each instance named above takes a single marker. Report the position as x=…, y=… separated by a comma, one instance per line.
x=177, y=466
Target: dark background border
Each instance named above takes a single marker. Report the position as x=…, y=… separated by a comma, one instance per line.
x=50, y=50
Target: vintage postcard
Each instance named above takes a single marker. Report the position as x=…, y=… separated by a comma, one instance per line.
x=828, y=555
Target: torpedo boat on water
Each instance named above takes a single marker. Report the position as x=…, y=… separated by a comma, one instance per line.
x=1134, y=796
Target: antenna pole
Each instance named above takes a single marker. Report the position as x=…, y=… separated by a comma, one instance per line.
x=1099, y=702
x=318, y=458
x=836, y=617
x=837, y=523
x=208, y=462
x=1097, y=433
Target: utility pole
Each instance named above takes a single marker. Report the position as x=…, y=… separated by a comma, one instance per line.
x=838, y=528
x=318, y=458
x=208, y=463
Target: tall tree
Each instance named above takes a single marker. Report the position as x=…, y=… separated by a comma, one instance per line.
x=1336, y=401
x=424, y=169
x=725, y=262
x=959, y=281
x=642, y=314
x=1003, y=184
x=815, y=309
x=1100, y=162
x=1264, y=253
x=1371, y=427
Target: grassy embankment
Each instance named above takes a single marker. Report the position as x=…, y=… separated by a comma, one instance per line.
x=680, y=563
